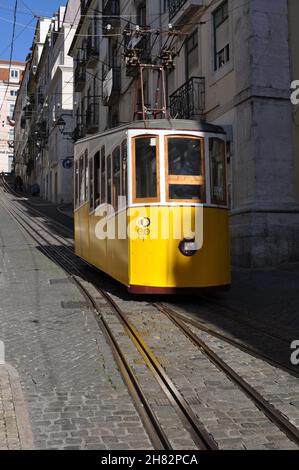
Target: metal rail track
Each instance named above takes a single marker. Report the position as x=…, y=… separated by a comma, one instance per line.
x=240, y=319
x=233, y=342
x=269, y=410
x=9, y=189
x=199, y=435
x=155, y=432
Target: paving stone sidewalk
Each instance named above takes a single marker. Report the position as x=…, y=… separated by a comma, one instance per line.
x=15, y=428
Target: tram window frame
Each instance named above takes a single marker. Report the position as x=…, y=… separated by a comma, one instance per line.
x=109, y=173
x=124, y=169
x=103, y=193
x=76, y=196
x=136, y=199
x=97, y=179
x=116, y=157
x=214, y=199
x=91, y=183
x=86, y=177
x=81, y=181
x=187, y=180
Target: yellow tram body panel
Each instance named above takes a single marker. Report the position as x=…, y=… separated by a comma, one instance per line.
x=110, y=255
x=146, y=261
x=159, y=263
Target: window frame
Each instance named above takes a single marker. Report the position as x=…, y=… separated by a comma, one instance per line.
x=91, y=183
x=124, y=169
x=96, y=181
x=81, y=177
x=135, y=199
x=109, y=199
x=76, y=195
x=86, y=176
x=116, y=150
x=103, y=188
x=185, y=179
x=14, y=73
x=226, y=48
x=213, y=200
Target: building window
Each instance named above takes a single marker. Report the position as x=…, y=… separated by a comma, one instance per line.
x=14, y=73
x=191, y=53
x=141, y=14
x=217, y=171
x=13, y=92
x=11, y=110
x=221, y=36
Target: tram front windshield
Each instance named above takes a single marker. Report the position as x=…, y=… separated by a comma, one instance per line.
x=185, y=169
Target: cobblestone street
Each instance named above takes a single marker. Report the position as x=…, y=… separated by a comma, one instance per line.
x=74, y=392
x=62, y=389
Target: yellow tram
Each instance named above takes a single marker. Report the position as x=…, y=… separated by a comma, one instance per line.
x=151, y=205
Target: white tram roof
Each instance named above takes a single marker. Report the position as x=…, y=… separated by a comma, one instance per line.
x=160, y=124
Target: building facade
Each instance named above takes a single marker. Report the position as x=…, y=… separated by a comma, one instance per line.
x=10, y=77
x=46, y=159
x=25, y=114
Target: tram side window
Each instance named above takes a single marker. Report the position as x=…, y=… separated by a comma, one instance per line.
x=108, y=173
x=103, y=176
x=218, y=171
x=146, y=172
x=116, y=177
x=81, y=181
x=185, y=169
x=91, y=185
x=97, y=179
x=86, y=176
x=124, y=159
x=76, y=184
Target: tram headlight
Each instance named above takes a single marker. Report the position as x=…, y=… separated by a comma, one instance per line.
x=187, y=247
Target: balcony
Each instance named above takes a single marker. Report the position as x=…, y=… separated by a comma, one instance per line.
x=92, y=117
x=111, y=85
x=79, y=132
x=182, y=10
x=80, y=76
x=92, y=52
x=111, y=13
x=188, y=101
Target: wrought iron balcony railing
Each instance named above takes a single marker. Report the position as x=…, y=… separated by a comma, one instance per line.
x=184, y=8
x=92, y=117
x=80, y=76
x=188, y=101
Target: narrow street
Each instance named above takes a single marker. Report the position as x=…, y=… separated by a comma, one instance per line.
x=74, y=393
